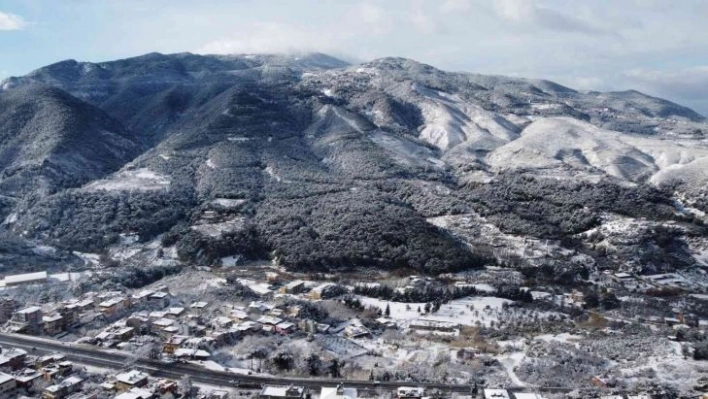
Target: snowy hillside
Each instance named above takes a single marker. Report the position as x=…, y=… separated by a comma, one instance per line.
x=315, y=164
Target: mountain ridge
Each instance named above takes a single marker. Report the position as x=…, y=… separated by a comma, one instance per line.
x=322, y=164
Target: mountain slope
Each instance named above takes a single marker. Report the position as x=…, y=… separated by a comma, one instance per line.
x=50, y=140
x=316, y=164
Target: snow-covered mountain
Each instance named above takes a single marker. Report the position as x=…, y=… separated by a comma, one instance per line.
x=318, y=164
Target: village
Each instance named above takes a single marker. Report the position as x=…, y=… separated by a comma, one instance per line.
x=484, y=330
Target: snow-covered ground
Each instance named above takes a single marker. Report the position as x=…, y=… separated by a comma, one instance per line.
x=131, y=180
x=399, y=311
x=570, y=146
x=228, y=203
x=470, y=311
x=218, y=229
x=466, y=312
x=88, y=258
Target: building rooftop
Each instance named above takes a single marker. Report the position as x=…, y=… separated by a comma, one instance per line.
x=294, y=284
x=338, y=393
x=175, y=311
x=143, y=294
x=111, y=302
x=73, y=380
x=25, y=278
x=270, y=320
x=131, y=377
x=526, y=395
x=496, y=394
x=282, y=391
x=285, y=325
x=54, y=317
x=31, y=309
x=5, y=378
x=163, y=322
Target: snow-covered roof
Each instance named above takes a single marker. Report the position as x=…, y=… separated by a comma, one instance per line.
x=49, y=319
x=143, y=294
x=5, y=378
x=526, y=395
x=73, y=380
x=496, y=394
x=131, y=377
x=199, y=305
x=285, y=325
x=25, y=278
x=222, y=321
x=157, y=314
x=163, y=322
x=270, y=320
x=175, y=311
x=280, y=391
x=85, y=302
x=141, y=393
x=31, y=309
x=294, y=284
x=332, y=393
x=111, y=302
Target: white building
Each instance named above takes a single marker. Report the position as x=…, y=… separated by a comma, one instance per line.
x=496, y=394
x=338, y=392
x=7, y=384
x=26, y=279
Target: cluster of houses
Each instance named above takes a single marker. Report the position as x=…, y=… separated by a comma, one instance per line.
x=52, y=375
x=35, y=320
x=189, y=332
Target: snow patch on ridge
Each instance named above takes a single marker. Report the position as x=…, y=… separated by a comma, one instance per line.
x=142, y=179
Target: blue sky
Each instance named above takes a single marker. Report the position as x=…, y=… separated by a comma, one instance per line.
x=657, y=46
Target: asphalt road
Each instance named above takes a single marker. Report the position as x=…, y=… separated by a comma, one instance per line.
x=117, y=360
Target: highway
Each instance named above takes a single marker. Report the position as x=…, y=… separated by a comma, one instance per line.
x=117, y=360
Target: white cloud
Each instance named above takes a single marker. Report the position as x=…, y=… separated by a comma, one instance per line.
x=11, y=21
x=688, y=83
x=525, y=13
x=451, y=6
x=421, y=19
x=268, y=38
x=374, y=18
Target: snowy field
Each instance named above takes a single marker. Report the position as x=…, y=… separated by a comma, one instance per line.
x=470, y=311
x=218, y=229
x=467, y=311
x=132, y=180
